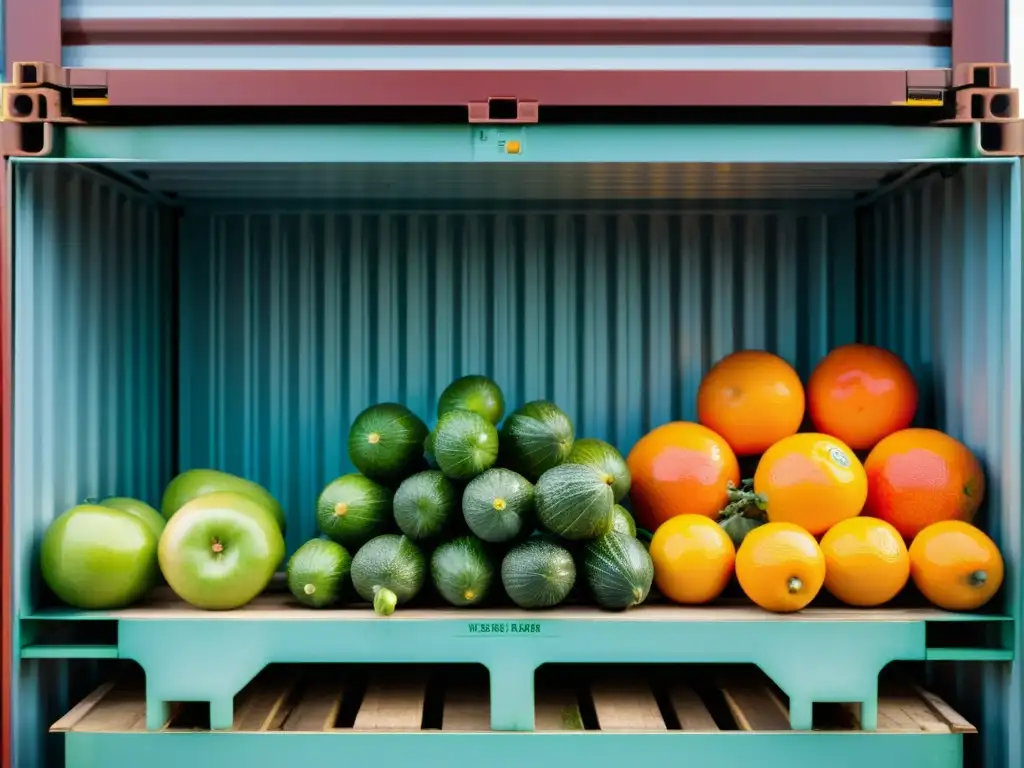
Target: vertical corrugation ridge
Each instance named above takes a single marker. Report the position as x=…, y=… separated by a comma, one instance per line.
x=942, y=289
x=91, y=390
x=296, y=322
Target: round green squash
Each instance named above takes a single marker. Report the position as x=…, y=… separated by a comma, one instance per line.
x=316, y=573
x=618, y=570
x=424, y=505
x=538, y=574
x=462, y=571
x=498, y=505
x=607, y=460
x=465, y=444
x=385, y=443
x=536, y=438
x=573, y=501
x=622, y=521
x=478, y=394
x=353, y=509
x=388, y=571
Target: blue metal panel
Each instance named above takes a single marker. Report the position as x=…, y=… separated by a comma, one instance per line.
x=92, y=377
x=517, y=57
x=942, y=287
x=293, y=323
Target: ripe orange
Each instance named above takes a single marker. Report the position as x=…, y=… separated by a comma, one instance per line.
x=680, y=468
x=693, y=559
x=780, y=567
x=956, y=566
x=811, y=480
x=860, y=394
x=866, y=561
x=752, y=399
x=917, y=477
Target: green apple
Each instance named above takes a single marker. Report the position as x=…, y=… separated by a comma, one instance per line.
x=194, y=483
x=98, y=557
x=220, y=550
x=140, y=509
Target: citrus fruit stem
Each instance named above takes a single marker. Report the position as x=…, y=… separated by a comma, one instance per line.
x=384, y=601
x=743, y=502
x=794, y=585
x=978, y=578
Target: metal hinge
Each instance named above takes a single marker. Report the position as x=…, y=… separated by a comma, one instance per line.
x=39, y=96
x=981, y=95
x=504, y=109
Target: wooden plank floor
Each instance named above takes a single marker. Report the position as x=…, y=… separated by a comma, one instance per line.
x=293, y=699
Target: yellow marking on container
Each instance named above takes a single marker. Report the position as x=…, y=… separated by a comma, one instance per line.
x=513, y=147
x=919, y=103
x=90, y=101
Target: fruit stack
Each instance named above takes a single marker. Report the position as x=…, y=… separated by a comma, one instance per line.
x=528, y=506
x=860, y=505
x=813, y=515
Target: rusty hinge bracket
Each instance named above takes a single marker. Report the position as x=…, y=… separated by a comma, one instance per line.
x=39, y=96
x=504, y=109
x=980, y=94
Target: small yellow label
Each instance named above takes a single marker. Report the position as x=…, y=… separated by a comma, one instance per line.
x=513, y=147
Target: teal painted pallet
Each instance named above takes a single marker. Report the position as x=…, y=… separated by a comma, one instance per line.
x=259, y=750
x=819, y=655
x=291, y=716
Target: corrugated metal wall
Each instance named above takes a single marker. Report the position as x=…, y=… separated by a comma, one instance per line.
x=93, y=383
x=941, y=285
x=292, y=323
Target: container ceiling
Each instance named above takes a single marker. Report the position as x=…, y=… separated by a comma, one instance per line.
x=468, y=182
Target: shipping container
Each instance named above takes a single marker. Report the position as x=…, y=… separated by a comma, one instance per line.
x=745, y=53
x=231, y=297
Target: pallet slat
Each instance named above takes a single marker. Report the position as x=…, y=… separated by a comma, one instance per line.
x=753, y=704
x=259, y=705
x=392, y=703
x=557, y=708
x=626, y=705
x=689, y=708
x=317, y=706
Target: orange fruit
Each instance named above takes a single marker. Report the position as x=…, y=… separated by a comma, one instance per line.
x=866, y=561
x=860, y=394
x=780, y=567
x=955, y=566
x=811, y=480
x=680, y=468
x=752, y=399
x=693, y=559
x=917, y=477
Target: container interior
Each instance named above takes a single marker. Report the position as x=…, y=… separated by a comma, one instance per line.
x=238, y=316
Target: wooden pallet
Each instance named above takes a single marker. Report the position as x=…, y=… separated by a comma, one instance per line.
x=403, y=699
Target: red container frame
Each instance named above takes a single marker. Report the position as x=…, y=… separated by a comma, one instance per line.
x=36, y=33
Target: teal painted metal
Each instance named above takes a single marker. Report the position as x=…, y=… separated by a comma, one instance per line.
x=443, y=750
x=943, y=262
x=211, y=660
x=559, y=144
x=92, y=405
x=943, y=227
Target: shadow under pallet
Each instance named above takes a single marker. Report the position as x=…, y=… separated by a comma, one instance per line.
x=398, y=715
x=818, y=655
